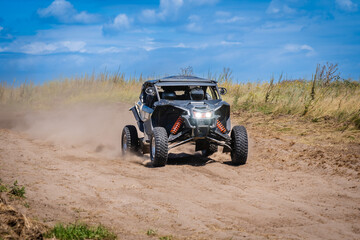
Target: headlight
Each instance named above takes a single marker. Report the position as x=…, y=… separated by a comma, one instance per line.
x=199, y=115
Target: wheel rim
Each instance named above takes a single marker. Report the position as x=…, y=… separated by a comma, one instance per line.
x=153, y=148
x=124, y=143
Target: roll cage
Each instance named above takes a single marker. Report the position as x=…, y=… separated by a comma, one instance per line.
x=177, y=91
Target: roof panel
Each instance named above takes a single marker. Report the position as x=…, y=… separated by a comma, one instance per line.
x=181, y=79
x=188, y=83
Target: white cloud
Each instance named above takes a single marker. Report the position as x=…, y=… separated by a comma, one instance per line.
x=149, y=48
x=229, y=20
x=1, y=28
x=180, y=45
x=227, y=43
x=227, y=17
x=121, y=22
x=347, y=5
x=39, y=48
x=169, y=6
x=149, y=44
x=110, y=50
x=57, y=47
x=192, y=45
x=194, y=25
x=65, y=12
x=279, y=27
x=168, y=9
x=297, y=48
x=75, y=46
x=280, y=7
x=149, y=15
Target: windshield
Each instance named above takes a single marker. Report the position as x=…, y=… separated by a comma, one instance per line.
x=194, y=93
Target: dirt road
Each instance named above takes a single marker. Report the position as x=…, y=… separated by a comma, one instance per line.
x=69, y=162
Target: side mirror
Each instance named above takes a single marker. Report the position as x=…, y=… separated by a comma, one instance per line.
x=222, y=91
x=150, y=91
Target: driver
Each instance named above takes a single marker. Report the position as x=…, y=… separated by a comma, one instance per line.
x=197, y=94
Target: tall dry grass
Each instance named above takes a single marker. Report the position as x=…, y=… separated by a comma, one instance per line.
x=103, y=87
x=314, y=99
x=339, y=101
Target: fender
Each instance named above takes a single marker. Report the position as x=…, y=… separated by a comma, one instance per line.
x=137, y=118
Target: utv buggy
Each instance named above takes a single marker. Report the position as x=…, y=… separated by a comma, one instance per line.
x=176, y=110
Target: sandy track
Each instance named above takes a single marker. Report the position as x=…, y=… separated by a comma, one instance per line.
x=68, y=160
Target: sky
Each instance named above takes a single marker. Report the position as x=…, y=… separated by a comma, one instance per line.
x=42, y=40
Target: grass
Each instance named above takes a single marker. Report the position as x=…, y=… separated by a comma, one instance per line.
x=3, y=187
x=17, y=190
x=166, y=237
x=14, y=190
x=319, y=98
x=339, y=101
x=79, y=231
x=151, y=232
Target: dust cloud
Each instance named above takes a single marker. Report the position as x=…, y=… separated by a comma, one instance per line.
x=90, y=127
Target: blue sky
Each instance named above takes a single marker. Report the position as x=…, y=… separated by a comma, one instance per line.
x=45, y=39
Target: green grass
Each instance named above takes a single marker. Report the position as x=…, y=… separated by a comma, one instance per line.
x=79, y=231
x=15, y=189
x=166, y=238
x=3, y=187
x=151, y=232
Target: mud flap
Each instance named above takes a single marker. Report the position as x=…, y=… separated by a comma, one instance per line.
x=144, y=147
x=201, y=145
x=138, y=120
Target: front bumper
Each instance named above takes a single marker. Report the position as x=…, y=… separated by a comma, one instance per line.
x=199, y=129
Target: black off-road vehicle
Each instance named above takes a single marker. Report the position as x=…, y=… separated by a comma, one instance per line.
x=179, y=109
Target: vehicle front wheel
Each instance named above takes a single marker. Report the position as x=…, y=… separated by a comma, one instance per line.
x=159, y=147
x=129, y=140
x=239, y=145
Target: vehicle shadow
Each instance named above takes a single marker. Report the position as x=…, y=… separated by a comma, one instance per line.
x=230, y=163
x=196, y=160
x=188, y=159
x=184, y=159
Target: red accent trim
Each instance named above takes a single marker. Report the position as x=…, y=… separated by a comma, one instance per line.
x=177, y=125
x=220, y=126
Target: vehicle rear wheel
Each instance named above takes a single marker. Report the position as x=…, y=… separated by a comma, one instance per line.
x=210, y=150
x=239, y=145
x=159, y=147
x=129, y=140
